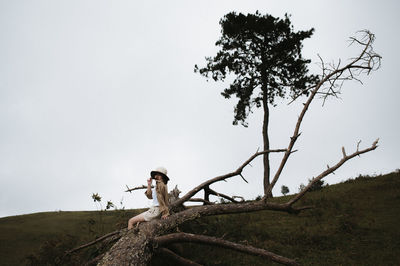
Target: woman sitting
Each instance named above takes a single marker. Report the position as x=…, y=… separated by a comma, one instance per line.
x=159, y=194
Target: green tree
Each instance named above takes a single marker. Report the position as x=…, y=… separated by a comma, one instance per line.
x=263, y=53
x=284, y=190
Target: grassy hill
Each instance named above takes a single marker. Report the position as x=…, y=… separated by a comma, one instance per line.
x=353, y=223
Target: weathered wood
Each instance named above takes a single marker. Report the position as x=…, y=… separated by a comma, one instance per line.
x=192, y=238
x=207, y=183
x=136, y=188
x=97, y=240
x=135, y=248
x=182, y=261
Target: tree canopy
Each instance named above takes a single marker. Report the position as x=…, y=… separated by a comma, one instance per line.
x=262, y=52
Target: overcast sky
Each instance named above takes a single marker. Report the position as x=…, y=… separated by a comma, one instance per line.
x=95, y=94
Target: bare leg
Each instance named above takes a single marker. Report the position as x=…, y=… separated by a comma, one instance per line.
x=134, y=220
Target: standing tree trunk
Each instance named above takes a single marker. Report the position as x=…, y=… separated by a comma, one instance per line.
x=266, y=181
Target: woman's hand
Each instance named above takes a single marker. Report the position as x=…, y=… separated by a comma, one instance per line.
x=165, y=216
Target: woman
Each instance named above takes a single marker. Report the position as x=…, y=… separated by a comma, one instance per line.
x=159, y=194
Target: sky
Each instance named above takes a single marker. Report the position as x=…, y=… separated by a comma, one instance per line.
x=96, y=94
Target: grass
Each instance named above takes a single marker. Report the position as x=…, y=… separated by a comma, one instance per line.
x=23, y=235
x=353, y=223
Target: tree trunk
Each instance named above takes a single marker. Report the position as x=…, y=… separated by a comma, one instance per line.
x=137, y=246
x=266, y=146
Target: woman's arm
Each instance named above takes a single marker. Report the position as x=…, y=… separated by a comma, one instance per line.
x=148, y=191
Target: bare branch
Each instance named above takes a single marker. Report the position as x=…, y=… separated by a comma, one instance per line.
x=213, y=192
x=95, y=260
x=244, y=178
x=300, y=209
x=205, y=184
x=239, y=197
x=295, y=97
x=201, y=200
x=182, y=261
x=375, y=143
x=100, y=239
x=136, y=188
x=343, y=152
x=331, y=169
x=208, y=240
x=367, y=61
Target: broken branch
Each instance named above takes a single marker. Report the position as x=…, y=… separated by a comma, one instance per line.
x=367, y=61
x=170, y=254
x=332, y=169
x=208, y=240
x=205, y=184
x=136, y=188
x=201, y=200
x=213, y=192
x=102, y=238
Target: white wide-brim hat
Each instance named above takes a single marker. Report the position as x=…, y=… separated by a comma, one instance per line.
x=162, y=171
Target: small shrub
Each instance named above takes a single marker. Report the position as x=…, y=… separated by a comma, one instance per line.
x=52, y=252
x=223, y=201
x=301, y=187
x=284, y=190
x=317, y=185
x=347, y=225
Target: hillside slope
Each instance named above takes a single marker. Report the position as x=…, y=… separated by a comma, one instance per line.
x=353, y=223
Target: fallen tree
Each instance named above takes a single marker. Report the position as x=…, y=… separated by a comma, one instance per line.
x=138, y=246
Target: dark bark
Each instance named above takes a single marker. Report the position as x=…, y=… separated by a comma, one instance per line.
x=182, y=261
x=201, y=200
x=135, y=247
x=266, y=181
x=213, y=192
x=114, y=234
x=207, y=183
x=264, y=86
x=184, y=237
x=206, y=194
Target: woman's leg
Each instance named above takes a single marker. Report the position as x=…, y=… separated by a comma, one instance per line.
x=134, y=220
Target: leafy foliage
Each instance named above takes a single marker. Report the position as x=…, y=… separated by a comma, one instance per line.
x=284, y=190
x=263, y=53
x=110, y=205
x=317, y=185
x=96, y=197
x=52, y=252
